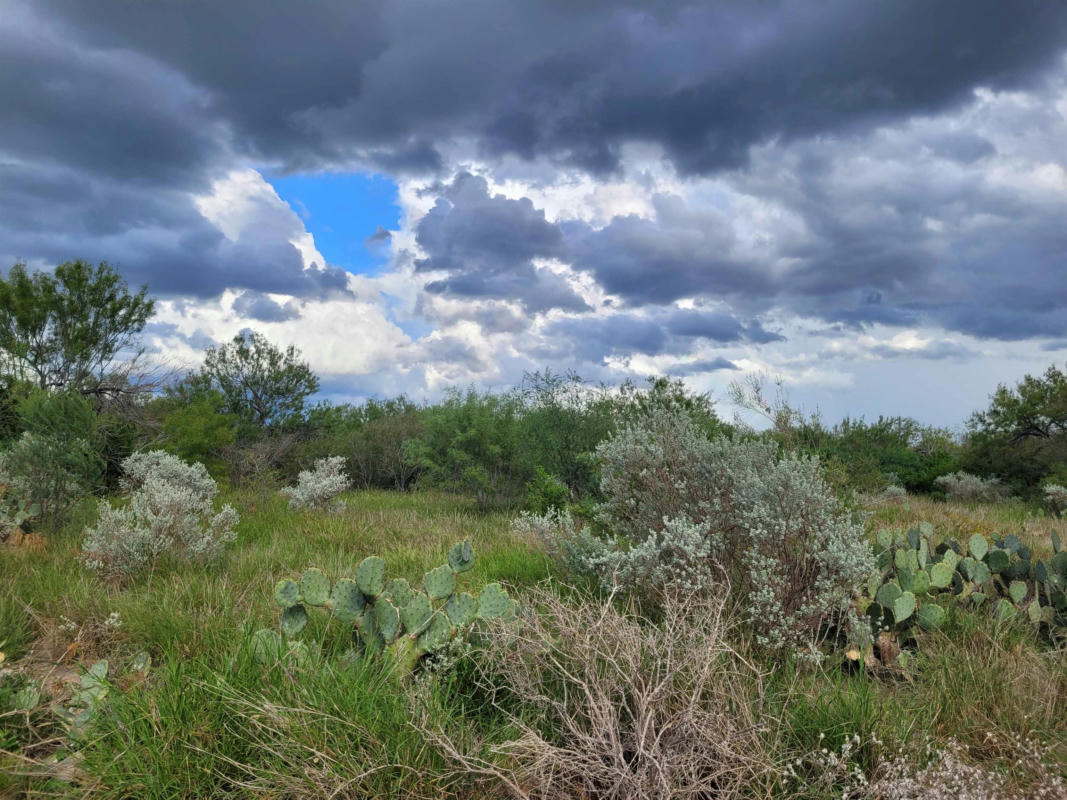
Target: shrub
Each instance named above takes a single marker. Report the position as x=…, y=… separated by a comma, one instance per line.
x=170, y=512
x=318, y=486
x=53, y=464
x=470, y=443
x=895, y=494
x=966, y=488
x=607, y=704
x=686, y=512
x=545, y=492
x=1055, y=498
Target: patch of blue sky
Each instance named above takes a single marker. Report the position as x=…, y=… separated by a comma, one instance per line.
x=344, y=211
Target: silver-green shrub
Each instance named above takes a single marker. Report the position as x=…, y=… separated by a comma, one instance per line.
x=966, y=488
x=170, y=511
x=895, y=494
x=687, y=512
x=1056, y=498
x=317, y=487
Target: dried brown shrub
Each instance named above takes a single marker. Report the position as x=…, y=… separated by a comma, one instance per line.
x=607, y=704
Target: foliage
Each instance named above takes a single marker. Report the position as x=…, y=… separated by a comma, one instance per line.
x=65, y=331
x=371, y=437
x=389, y=616
x=53, y=464
x=1022, y=435
x=895, y=494
x=261, y=384
x=604, y=703
x=859, y=456
x=197, y=428
x=545, y=492
x=471, y=443
x=170, y=512
x=1055, y=497
x=318, y=486
x=966, y=488
x=687, y=512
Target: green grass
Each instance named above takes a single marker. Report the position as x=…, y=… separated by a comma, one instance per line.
x=211, y=722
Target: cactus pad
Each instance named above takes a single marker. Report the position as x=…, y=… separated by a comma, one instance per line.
x=461, y=556
x=437, y=633
x=998, y=560
x=926, y=529
x=388, y=619
x=884, y=539
x=439, y=582
x=493, y=602
x=369, y=633
x=1017, y=591
x=941, y=575
x=930, y=616
x=286, y=592
x=903, y=607
x=266, y=646
x=977, y=546
x=347, y=600
x=913, y=538
x=314, y=587
x=1034, y=612
x=294, y=619
x=462, y=609
x=416, y=613
x=887, y=594
x=370, y=576
x=398, y=592
x=1004, y=610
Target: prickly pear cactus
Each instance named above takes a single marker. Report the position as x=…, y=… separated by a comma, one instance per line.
x=387, y=617
x=917, y=580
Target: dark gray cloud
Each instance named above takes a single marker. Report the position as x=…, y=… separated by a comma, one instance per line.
x=593, y=339
x=571, y=81
x=114, y=114
x=159, y=237
x=379, y=237
x=257, y=305
x=702, y=367
x=487, y=244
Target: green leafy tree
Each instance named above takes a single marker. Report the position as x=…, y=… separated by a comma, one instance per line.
x=470, y=443
x=267, y=388
x=69, y=329
x=1022, y=436
x=195, y=427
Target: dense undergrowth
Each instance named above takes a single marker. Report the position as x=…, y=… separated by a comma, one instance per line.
x=210, y=720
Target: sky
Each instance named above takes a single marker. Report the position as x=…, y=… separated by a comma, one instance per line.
x=865, y=200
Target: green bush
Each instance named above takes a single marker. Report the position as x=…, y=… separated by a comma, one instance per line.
x=199, y=429
x=545, y=493
x=54, y=463
x=470, y=443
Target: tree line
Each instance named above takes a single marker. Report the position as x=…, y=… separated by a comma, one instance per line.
x=76, y=398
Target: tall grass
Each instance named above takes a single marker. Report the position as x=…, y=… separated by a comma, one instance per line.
x=211, y=722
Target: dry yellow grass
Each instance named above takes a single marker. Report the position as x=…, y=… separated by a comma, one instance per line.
x=962, y=519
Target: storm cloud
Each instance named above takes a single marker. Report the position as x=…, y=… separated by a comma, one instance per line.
x=677, y=184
